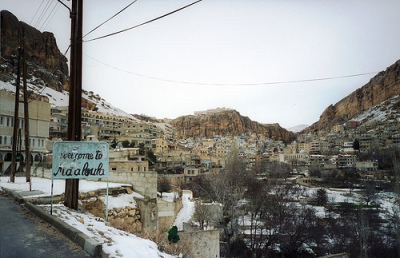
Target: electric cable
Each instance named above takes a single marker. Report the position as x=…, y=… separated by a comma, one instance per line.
x=110, y=18
x=48, y=16
x=44, y=11
x=231, y=84
x=144, y=23
x=36, y=12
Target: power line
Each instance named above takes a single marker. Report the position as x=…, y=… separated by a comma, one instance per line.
x=48, y=16
x=232, y=84
x=44, y=11
x=144, y=23
x=110, y=18
x=36, y=12
x=58, y=6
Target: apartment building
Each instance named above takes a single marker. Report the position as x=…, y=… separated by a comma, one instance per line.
x=39, y=122
x=190, y=173
x=168, y=130
x=127, y=160
x=346, y=161
x=58, y=122
x=139, y=132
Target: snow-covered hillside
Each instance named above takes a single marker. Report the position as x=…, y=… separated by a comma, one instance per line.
x=385, y=111
x=60, y=99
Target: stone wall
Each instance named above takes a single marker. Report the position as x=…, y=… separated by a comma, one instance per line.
x=144, y=183
x=127, y=219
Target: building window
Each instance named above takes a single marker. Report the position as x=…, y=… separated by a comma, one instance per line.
x=33, y=142
x=114, y=169
x=5, y=140
x=1, y=140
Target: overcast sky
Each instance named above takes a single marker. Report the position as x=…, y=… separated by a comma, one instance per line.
x=220, y=53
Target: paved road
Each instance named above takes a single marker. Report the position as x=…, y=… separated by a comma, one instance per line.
x=22, y=234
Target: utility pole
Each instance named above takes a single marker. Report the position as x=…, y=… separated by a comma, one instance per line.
x=16, y=112
x=75, y=96
x=26, y=120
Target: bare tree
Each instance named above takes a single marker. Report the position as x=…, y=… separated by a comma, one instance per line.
x=163, y=185
x=203, y=214
x=370, y=193
x=321, y=197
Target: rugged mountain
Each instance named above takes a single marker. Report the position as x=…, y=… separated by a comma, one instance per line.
x=47, y=73
x=228, y=122
x=45, y=63
x=383, y=86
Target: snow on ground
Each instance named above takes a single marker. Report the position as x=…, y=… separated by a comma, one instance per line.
x=121, y=201
x=116, y=243
x=379, y=112
x=169, y=197
x=187, y=211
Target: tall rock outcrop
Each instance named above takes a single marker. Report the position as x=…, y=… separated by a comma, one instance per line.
x=46, y=65
x=226, y=123
x=381, y=87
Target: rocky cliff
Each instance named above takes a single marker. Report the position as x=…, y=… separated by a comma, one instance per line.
x=381, y=87
x=226, y=123
x=45, y=63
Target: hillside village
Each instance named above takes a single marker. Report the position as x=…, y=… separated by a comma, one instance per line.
x=147, y=155
x=231, y=186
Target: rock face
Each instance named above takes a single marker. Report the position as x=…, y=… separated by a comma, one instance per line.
x=226, y=123
x=45, y=63
x=381, y=87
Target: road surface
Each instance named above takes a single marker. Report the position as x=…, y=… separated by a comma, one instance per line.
x=22, y=234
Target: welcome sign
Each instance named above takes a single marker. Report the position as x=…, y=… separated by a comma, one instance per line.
x=80, y=160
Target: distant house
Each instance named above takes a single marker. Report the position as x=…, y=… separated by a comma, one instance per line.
x=128, y=160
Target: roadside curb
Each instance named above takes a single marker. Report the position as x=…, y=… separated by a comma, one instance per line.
x=91, y=246
x=18, y=198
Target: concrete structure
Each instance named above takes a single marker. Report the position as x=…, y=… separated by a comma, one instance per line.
x=167, y=212
x=202, y=243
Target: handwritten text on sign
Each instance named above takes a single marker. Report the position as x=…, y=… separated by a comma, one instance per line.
x=80, y=160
